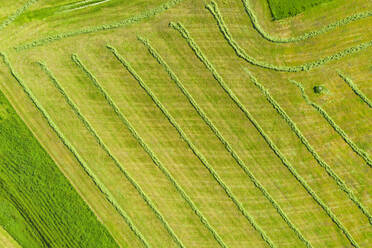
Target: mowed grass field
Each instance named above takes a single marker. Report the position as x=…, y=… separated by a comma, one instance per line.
x=198, y=133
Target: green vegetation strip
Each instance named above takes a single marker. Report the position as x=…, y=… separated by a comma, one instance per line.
x=109, y=153
x=355, y=88
x=240, y=52
x=194, y=149
x=339, y=130
x=226, y=144
x=132, y=20
x=19, y=12
x=267, y=139
x=77, y=156
x=342, y=185
x=305, y=36
x=127, y=175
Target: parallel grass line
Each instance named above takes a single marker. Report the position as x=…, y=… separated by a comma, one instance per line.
x=132, y=20
x=193, y=148
x=149, y=152
x=104, y=147
x=307, y=35
x=226, y=144
x=341, y=184
x=240, y=52
x=19, y=12
x=102, y=188
x=267, y=139
x=364, y=155
x=355, y=88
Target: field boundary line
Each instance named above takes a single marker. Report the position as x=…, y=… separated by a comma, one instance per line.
x=104, y=147
x=193, y=148
x=355, y=88
x=364, y=155
x=341, y=184
x=102, y=188
x=87, y=30
x=306, y=35
x=226, y=144
x=240, y=52
x=19, y=12
x=184, y=33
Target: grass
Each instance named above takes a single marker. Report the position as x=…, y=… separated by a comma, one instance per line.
x=39, y=206
x=286, y=8
x=171, y=146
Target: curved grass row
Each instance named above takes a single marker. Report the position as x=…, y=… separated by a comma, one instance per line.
x=355, y=88
x=226, y=144
x=132, y=20
x=194, y=149
x=341, y=184
x=267, y=139
x=102, y=188
x=19, y=12
x=364, y=155
x=240, y=52
x=307, y=35
x=147, y=149
x=109, y=153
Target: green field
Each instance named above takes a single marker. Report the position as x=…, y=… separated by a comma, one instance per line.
x=185, y=123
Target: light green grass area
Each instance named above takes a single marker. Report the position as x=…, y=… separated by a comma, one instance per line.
x=187, y=123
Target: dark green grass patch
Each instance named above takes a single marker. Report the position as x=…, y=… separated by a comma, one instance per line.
x=38, y=206
x=285, y=8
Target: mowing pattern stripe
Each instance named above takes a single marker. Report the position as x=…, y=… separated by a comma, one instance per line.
x=355, y=88
x=194, y=149
x=305, y=36
x=341, y=184
x=345, y=137
x=19, y=12
x=132, y=20
x=166, y=172
x=267, y=139
x=109, y=153
x=226, y=144
x=131, y=129
x=240, y=52
x=102, y=188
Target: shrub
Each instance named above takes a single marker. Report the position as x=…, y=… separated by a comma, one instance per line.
x=318, y=89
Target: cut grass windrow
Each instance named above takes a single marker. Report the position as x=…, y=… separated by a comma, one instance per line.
x=147, y=149
x=226, y=144
x=194, y=149
x=109, y=153
x=240, y=52
x=132, y=20
x=355, y=88
x=305, y=36
x=267, y=139
x=344, y=136
x=102, y=188
x=19, y=12
x=341, y=184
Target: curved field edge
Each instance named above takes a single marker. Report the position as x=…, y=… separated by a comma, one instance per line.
x=226, y=144
x=19, y=12
x=132, y=20
x=240, y=52
x=148, y=150
x=46, y=200
x=107, y=151
x=196, y=152
x=360, y=152
x=200, y=55
x=341, y=184
x=305, y=36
